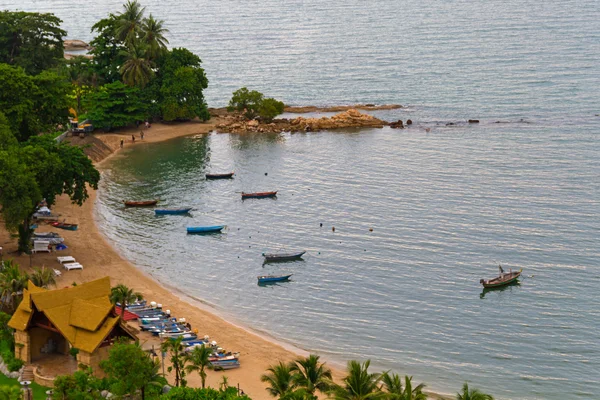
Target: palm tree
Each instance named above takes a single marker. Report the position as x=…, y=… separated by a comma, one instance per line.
x=359, y=384
x=199, y=360
x=280, y=379
x=123, y=295
x=12, y=283
x=153, y=36
x=393, y=386
x=473, y=394
x=178, y=359
x=43, y=277
x=129, y=23
x=137, y=68
x=311, y=375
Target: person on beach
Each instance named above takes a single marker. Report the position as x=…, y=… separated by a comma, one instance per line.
x=121, y=143
x=147, y=124
x=142, y=135
x=132, y=139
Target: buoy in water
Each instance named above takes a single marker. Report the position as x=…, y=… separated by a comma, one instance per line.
x=333, y=229
x=370, y=229
x=321, y=224
x=266, y=174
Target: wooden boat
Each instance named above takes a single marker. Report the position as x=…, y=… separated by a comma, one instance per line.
x=145, y=203
x=172, y=211
x=64, y=225
x=274, y=257
x=273, y=278
x=205, y=229
x=220, y=176
x=258, y=195
x=504, y=279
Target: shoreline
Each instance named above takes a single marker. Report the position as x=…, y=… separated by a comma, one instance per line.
x=90, y=247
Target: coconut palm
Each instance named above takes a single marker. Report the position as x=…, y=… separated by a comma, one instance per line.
x=473, y=394
x=393, y=386
x=359, y=384
x=43, y=277
x=129, y=22
x=199, y=361
x=137, y=68
x=123, y=295
x=153, y=35
x=12, y=283
x=311, y=375
x=280, y=379
x=178, y=359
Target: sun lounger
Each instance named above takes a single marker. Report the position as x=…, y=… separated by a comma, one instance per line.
x=65, y=259
x=41, y=245
x=70, y=266
x=57, y=273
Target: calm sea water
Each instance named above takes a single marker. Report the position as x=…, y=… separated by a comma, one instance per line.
x=445, y=206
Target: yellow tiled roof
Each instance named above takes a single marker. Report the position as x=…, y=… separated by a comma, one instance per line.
x=81, y=313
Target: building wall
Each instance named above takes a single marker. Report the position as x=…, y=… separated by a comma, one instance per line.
x=22, y=346
x=92, y=360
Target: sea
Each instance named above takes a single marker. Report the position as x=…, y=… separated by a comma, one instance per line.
x=399, y=225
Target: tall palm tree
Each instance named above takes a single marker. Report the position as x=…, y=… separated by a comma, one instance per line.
x=129, y=23
x=123, y=295
x=153, y=35
x=137, y=68
x=199, y=361
x=178, y=359
x=311, y=375
x=280, y=379
x=43, y=277
x=393, y=386
x=473, y=394
x=12, y=283
x=359, y=384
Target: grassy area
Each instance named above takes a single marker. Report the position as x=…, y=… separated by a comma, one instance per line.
x=39, y=392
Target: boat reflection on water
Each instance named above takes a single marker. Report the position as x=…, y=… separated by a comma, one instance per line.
x=508, y=287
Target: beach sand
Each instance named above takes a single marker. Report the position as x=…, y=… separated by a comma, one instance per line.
x=99, y=259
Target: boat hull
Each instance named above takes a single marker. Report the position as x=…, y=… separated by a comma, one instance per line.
x=147, y=203
x=220, y=176
x=273, y=279
x=283, y=257
x=205, y=229
x=172, y=211
x=499, y=282
x=260, y=195
x=68, y=227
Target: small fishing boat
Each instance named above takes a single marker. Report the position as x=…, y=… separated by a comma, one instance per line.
x=505, y=278
x=258, y=195
x=64, y=225
x=273, y=278
x=145, y=203
x=274, y=257
x=222, y=365
x=220, y=176
x=205, y=229
x=172, y=211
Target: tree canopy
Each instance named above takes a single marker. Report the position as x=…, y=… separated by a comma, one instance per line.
x=254, y=104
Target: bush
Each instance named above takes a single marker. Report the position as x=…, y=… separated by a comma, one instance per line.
x=181, y=393
x=254, y=104
x=270, y=108
x=8, y=355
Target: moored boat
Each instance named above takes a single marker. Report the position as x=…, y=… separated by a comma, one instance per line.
x=205, y=229
x=274, y=257
x=505, y=278
x=220, y=176
x=273, y=278
x=145, y=203
x=172, y=211
x=64, y=225
x=258, y=195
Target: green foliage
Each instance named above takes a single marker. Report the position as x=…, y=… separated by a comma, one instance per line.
x=7, y=139
x=270, y=108
x=43, y=277
x=39, y=392
x=82, y=385
x=52, y=101
x=154, y=37
x=17, y=101
x=280, y=380
x=131, y=370
x=182, y=81
x=198, y=360
x=114, y=105
x=137, y=68
x=73, y=351
x=359, y=384
x=32, y=41
x=12, y=283
x=10, y=393
x=107, y=49
x=392, y=383
x=7, y=352
x=246, y=101
x=311, y=375
x=123, y=295
x=178, y=359
x=472, y=394
x=180, y=393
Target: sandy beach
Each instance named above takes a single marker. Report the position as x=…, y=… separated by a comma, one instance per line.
x=99, y=259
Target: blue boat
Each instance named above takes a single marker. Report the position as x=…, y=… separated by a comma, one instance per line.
x=273, y=278
x=172, y=211
x=205, y=229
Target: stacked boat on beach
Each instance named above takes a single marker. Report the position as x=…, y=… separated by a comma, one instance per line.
x=158, y=322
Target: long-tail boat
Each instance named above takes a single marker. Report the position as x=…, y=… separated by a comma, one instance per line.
x=258, y=195
x=64, y=225
x=228, y=175
x=505, y=278
x=273, y=278
x=275, y=257
x=205, y=229
x=145, y=203
x=172, y=211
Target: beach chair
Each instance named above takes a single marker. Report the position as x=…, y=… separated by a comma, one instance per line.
x=41, y=245
x=74, y=265
x=57, y=273
x=65, y=259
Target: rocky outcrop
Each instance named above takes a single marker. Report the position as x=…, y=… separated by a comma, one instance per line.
x=76, y=45
x=397, y=125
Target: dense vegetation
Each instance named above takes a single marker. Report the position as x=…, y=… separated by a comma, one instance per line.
x=254, y=104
